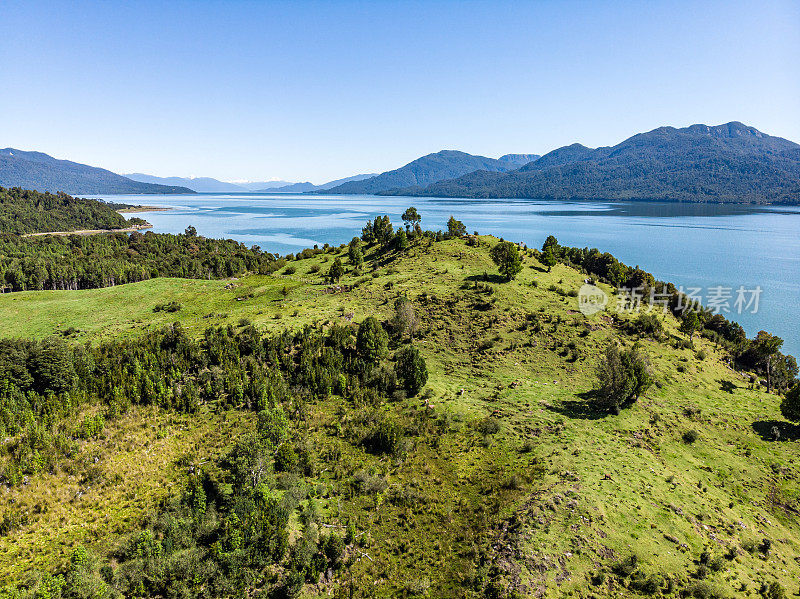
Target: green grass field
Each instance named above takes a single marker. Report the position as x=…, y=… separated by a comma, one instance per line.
x=595, y=489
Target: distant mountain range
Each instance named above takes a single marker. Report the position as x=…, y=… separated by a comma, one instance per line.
x=724, y=163
x=209, y=185
x=440, y=166
x=701, y=163
x=519, y=159
x=200, y=184
x=43, y=173
x=306, y=187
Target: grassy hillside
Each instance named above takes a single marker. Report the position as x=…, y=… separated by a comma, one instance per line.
x=510, y=483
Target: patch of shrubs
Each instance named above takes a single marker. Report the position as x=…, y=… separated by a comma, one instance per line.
x=487, y=426
x=690, y=436
x=172, y=306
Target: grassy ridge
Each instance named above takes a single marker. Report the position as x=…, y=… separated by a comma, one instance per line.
x=590, y=490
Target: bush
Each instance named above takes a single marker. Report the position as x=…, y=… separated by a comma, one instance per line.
x=385, y=436
x=488, y=426
x=626, y=567
x=648, y=585
x=167, y=307
x=647, y=324
x=772, y=590
x=506, y=255
x=289, y=270
x=623, y=377
x=690, y=436
x=286, y=459
x=790, y=406
x=598, y=578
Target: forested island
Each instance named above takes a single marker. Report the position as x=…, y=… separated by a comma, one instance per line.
x=415, y=413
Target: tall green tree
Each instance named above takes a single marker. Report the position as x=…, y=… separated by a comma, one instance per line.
x=551, y=242
x=767, y=348
x=548, y=258
x=371, y=341
x=455, y=228
x=336, y=271
x=506, y=255
x=690, y=323
x=401, y=240
x=383, y=229
x=411, y=218
x=354, y=253
x=411, y=369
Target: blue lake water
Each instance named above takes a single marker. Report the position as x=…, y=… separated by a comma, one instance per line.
x=691, y=245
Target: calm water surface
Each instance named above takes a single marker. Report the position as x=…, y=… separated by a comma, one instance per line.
x=694, y=246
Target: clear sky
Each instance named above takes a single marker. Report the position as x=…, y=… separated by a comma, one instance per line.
x=319, y=90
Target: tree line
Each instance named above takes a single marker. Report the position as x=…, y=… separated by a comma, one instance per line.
x=225, y=534
x=24, y=211
x=93, y=261
x=761, y=354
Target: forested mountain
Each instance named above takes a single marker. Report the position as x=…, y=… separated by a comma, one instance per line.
x=446, y=164
x=200, y=184
x=306, y=187
x=259, y=185
x=291, y=188
x=519, y=159
x=725, y=163
x=35, y=170
x=23, y=211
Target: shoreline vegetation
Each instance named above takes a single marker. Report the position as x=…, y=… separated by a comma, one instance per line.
x=136, y=209
x=131, y=229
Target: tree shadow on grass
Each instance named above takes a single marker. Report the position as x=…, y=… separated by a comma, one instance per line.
x=583, y=408
x=493, y=278
x=786, y=430
x=727, y=386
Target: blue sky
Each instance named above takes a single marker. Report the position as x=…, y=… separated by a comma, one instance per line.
x=319, y=90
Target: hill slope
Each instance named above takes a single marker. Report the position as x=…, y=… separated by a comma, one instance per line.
x=446, y=164
x=504, y=481
x=35, y=170
x=23, y=211
x=726, y=163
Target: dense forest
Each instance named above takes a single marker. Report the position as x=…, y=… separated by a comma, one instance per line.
x=225, y=534
x=88, y=262
x=727, y=163
x=23, y=211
